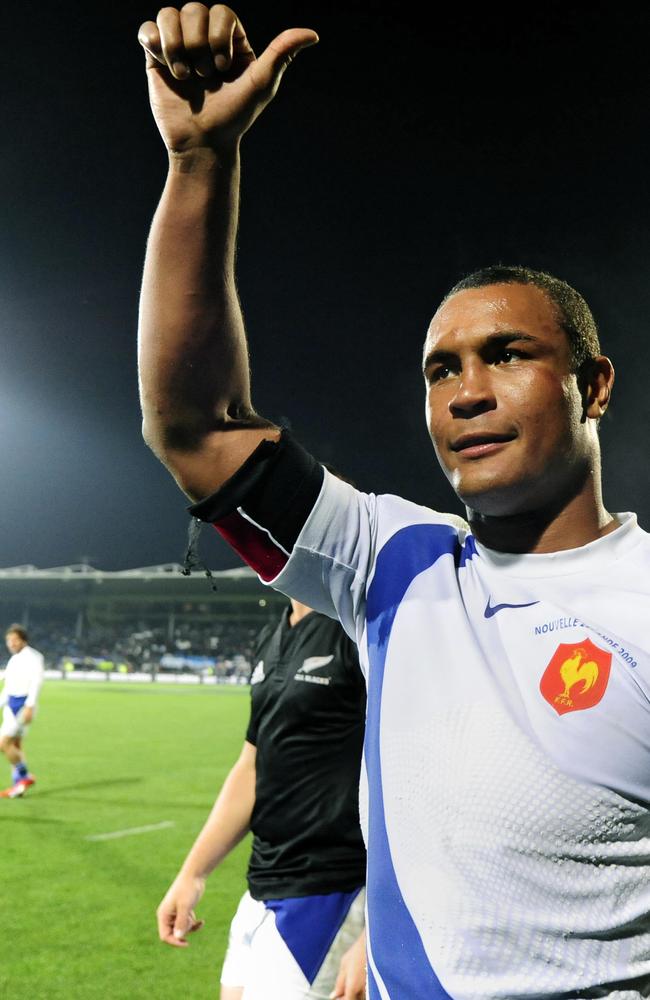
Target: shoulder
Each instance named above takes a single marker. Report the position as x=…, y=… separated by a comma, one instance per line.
x=629, y=546
x=637, y=533
x=395, y=514
x=386, y=512
x=265, y=634
x=324, y=629
x=333, y=637
x=401, y=511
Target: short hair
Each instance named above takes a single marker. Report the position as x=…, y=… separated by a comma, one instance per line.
x=574, y=315
x=19, y=630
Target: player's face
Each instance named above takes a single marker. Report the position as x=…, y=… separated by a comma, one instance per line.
x=14, y=642
x=504, y=409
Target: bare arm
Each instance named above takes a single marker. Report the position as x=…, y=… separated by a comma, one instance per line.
x=206, y=88
x=226, y=825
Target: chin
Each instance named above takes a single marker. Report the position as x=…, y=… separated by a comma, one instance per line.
x=497, y=499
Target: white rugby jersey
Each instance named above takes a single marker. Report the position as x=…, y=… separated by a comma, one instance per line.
x=23, y=676
x=506, y=800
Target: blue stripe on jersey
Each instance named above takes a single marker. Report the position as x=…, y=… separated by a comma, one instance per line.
x=16, y=702
x=397, y=947
x=309, y=924
x=467, y=551
x=373, y=989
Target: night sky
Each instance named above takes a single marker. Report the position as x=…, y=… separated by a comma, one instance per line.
x=395, y=158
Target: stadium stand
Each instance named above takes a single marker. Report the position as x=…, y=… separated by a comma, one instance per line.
x=152, y=620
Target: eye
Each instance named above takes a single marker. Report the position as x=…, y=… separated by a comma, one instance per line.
x=439, y=373
x=506, y=354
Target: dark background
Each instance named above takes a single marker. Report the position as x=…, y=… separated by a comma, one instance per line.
x=397, y=155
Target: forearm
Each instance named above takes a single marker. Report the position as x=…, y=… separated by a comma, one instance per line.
x=194, y=378
x=192, y=346
x=226, y=825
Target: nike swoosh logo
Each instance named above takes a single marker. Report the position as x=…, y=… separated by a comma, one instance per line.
x=490, y=612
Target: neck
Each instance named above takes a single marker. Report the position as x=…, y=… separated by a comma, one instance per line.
x=566, y=524
x=298, y=612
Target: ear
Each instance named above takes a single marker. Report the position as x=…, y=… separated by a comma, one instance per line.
x=595, y=380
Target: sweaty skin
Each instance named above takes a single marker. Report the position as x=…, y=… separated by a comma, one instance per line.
x=206, y=88
x=536, y=489
x=514, y=426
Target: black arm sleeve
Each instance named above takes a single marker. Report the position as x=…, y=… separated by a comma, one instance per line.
x=261, y=510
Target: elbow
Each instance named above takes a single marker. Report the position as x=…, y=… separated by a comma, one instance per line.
x=156, y=438
x=177, y=447
x=153, y=437
x=164, y=437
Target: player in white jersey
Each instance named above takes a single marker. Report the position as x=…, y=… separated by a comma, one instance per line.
x=22, y=684
x=506, y=796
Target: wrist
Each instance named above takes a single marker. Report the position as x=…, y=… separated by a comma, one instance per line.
x=203, y=160
x=188, y=877
x=194, y=868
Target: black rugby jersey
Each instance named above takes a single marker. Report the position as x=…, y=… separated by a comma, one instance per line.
x=307, y=721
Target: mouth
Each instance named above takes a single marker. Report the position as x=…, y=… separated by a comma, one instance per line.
x=478, y=445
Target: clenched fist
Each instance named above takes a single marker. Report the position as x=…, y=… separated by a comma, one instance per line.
x=206, y=86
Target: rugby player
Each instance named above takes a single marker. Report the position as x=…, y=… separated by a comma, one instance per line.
x=506, y=779
x=298, y=931
x=23, y=681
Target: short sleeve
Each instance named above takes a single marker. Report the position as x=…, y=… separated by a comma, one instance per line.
x=252, y=729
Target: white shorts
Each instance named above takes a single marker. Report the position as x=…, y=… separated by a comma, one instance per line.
x=259, y=959
x=11, y=724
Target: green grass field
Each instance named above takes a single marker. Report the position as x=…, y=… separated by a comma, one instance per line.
x=79, y=915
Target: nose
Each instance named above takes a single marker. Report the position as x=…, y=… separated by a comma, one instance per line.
x=474, y=392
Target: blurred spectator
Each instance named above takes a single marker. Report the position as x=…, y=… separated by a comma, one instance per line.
x=228, y=645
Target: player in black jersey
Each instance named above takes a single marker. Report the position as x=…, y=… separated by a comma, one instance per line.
x=298, y=931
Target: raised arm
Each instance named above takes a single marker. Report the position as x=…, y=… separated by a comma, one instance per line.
x=206, y=89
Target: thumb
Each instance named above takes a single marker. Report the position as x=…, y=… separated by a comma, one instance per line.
x=267, y=70
x=186, y=923
x=182, y=923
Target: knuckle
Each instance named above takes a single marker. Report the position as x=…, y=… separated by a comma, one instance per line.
x=219, y=45
x=222, y=15
x=147, y=29
x=170, y=50
x=167, y=16
x=195, y=47
x=219, y=41
x=148, y=36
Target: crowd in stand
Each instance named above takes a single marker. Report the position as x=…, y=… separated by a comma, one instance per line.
x=223, y=648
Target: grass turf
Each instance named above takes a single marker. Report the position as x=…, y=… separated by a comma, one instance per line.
x=79, y=915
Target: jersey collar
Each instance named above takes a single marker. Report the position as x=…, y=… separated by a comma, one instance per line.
x=595, y=556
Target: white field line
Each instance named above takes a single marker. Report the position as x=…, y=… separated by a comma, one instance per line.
x=132, y=831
